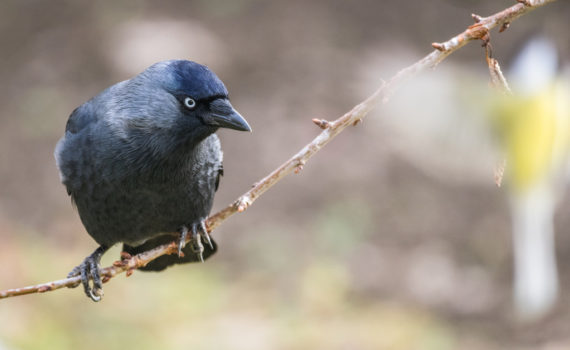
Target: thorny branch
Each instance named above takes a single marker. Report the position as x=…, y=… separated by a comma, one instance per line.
x=478, y=31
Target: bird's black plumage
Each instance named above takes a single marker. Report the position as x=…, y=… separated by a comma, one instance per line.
x=141, y=160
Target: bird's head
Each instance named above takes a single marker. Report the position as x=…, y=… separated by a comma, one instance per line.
x=180, y=99
x=203, y=96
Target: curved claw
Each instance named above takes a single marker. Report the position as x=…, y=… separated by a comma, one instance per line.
x=182, y=242
x=93, y=296
x=89, y=269
x=204, y=234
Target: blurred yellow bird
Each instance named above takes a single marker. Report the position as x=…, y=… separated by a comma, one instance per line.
x=533, y=126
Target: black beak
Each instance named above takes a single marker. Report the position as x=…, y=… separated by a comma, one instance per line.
x=223, y=115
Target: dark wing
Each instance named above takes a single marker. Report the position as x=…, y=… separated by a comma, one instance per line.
x=219, y=176
x=70, y=159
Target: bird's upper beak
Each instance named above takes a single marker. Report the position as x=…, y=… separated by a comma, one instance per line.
x=223, y=115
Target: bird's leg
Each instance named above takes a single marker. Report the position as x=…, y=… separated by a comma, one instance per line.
x=89, y=269
x=196, y=241
x=182, y=242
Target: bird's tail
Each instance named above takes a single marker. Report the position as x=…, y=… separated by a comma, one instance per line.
x=165, y=261
x=536, y=281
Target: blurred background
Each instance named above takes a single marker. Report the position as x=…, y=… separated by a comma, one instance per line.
x=394, y=236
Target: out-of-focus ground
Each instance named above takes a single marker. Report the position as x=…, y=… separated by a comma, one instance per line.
x=393, y=237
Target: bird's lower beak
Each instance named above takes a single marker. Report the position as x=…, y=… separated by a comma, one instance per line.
x=223, y=115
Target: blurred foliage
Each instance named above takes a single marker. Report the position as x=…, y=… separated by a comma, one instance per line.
x=194, y=307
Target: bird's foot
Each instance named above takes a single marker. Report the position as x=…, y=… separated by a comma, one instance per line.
x=89, y=269
x=199, y=234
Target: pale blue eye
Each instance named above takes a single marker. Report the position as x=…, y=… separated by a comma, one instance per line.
x=189, y=103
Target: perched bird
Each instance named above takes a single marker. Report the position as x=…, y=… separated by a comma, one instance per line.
x=141, y=160
x=534, y=128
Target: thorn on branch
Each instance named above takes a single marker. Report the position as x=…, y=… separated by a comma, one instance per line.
x=243, y=203
x=525, y=2
x=44, y=289
x=172, y=249
x=299, y=166
x=125, y=257
x=438, y=46
x=321, y=123
x=357, y=121
x=476, y=18
x=504, y=27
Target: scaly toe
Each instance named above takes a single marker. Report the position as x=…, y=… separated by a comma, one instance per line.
x=197, y=246
x=89, y=269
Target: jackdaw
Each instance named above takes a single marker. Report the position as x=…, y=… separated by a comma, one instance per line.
x=141, y=160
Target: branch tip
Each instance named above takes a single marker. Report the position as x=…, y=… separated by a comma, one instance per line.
x=321, y=123
x=476, y=18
